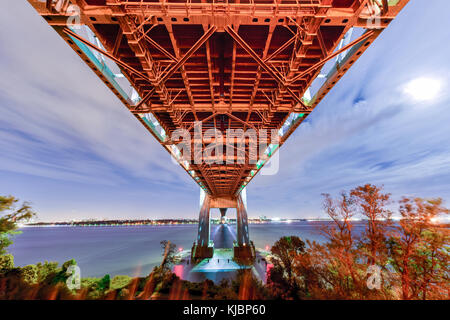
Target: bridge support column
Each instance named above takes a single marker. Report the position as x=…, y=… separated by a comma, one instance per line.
x=244, y=249
x=203, y=247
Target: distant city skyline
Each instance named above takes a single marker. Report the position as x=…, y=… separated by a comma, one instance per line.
x=70, y=147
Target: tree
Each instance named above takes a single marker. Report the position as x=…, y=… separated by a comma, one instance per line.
x=339, y=255
x=168, y=253
x=282, y=276
x=10, y=216
x=337, y=268
x=341, y=211
x=419, y=250
x=371, y=202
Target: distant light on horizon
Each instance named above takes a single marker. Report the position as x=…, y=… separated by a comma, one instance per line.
x=435, y=220
x=440, y=219
x=423, y=89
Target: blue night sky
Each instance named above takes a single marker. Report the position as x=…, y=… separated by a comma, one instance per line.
x=71, y=148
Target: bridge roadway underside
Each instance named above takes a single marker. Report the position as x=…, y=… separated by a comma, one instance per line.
x=227, y=64
x=224, y=64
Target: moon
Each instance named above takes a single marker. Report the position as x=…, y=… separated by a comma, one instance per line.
x=423, y=89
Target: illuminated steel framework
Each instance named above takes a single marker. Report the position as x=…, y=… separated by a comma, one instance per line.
x=260, y=64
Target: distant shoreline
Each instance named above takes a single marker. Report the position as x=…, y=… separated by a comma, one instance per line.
x=175, y=222
x=165, y=222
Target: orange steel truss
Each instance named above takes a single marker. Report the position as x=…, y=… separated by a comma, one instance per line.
x=227, y=64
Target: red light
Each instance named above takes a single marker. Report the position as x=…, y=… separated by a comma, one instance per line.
x=178, y=270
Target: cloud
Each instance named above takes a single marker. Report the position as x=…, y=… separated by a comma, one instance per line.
x=60, y=121
x=367, y=130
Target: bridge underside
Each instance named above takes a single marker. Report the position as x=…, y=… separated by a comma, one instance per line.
x=222, y=64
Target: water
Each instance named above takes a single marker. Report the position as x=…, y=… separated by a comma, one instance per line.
x=129, y=250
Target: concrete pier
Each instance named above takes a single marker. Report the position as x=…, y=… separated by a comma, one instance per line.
x=222, y=264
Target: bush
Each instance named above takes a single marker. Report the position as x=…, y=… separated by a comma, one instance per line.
x=6, y=262
x=119, y=282
x=93, y=288
x=104, y=283
x=30, y=274
x=61, y=273
x=47, y=271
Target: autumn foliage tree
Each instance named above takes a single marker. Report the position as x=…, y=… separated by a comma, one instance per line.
x=371, y=204
x=419, y=250
x=336, y=262
x=411, y=255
